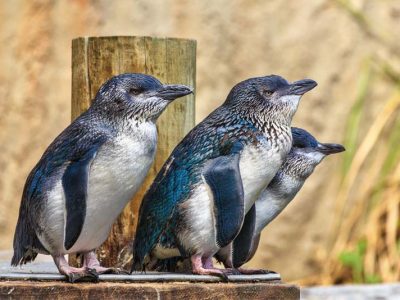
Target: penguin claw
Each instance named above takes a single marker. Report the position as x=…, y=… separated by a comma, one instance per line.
x=89, y=275
x=234, y=271
x=223, y=276
x=221, y=273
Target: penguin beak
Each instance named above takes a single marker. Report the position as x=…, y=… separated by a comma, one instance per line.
x=173, y=91
x=301, y=87
x=330, y=148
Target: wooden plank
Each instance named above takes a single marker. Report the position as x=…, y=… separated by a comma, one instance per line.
x=95, y=60
x=172, y=290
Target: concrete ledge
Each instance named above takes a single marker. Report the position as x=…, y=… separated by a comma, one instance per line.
x=387, y=291
x=171, y=290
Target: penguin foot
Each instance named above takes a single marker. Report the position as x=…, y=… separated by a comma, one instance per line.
x=74, y=274
x=254, y=271
x=203, y=267
x=104, y=270
x=90, y=261
x=81, y=275
x=215, y=271
x=233, y=271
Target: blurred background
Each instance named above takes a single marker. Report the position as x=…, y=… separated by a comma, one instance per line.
x=344, y=224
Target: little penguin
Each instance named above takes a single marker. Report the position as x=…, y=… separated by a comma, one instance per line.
x=198, y=201
x=90, y=172
x=305, y=155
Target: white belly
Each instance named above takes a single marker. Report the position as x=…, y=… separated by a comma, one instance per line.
x=258, y=165
x=272, y=201
x=198, y=210
x=268, y=206
x=115, y=176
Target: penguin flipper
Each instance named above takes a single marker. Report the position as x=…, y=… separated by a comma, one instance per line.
x=222, y=175
x=75, y=184
x=254, y=246
x=242, y=248
x=69, y=146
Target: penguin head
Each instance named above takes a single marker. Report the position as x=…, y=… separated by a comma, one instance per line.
x=307, y=146
x=137, y=96
x=306, y=154
x=270, y=95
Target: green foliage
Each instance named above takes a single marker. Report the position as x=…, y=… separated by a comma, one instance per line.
x=354, y=260
x=373, y=278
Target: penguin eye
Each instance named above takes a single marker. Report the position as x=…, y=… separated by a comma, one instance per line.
x=268, y=92
x=135, y=91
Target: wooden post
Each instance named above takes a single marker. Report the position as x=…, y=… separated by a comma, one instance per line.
x=171, y=60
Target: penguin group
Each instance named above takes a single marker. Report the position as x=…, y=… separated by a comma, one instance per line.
x=228, y=178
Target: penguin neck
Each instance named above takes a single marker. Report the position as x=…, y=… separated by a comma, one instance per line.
x=120, y=113
x=298, y=166
x=127, y=124
x=120, y=122
x=281, y=115
x=277, y=130
x=266, y=117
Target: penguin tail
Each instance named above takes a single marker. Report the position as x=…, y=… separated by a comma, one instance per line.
x=26, y=244
x=23, y=257
x=138, y=263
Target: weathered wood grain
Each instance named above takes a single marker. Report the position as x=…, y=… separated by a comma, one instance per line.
x=95, y=60
x=184, y=291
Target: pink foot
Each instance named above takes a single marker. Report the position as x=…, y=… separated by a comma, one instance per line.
x=74, y=274
x=207, y=262
x=90, y=261
x=207, y=269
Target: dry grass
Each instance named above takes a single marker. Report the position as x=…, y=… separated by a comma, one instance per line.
x=366, y=245
x=375, y=209
x=367, y=231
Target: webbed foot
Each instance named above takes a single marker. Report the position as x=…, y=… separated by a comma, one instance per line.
x=90, y=261
x=81, y=275
x=204, y=267
x=75, y=274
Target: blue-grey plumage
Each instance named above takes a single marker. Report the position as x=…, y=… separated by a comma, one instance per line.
x=90, y=171
x=305, y=155
x=197, y=203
